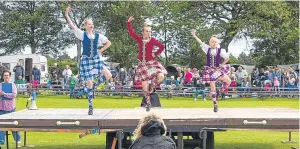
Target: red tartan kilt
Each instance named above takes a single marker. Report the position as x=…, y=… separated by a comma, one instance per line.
x=210, y=74
x=149, y=70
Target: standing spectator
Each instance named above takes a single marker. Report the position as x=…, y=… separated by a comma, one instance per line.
x=67, y=74
x=180, y=74
x=277, y=74
x=276, y=84
x=262, y=77
x=55, y=71
x=122, y=76
x=196, y=77
x=36, y=73
x=271, y=74
x=131, y=74
x=72, y=83
x=266, y=77
x=8, y=94
x=2, y=68
x=255, y=77
x=19, y=71
x=240, y=74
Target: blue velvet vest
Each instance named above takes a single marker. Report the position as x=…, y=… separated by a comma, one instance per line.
x=90, y=45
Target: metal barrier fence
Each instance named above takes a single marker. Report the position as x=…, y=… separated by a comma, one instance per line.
x=136, y=90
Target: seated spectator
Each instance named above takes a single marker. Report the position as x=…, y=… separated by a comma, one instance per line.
x=188, y=77
x=173, y=83
x=268, y=85
x=233, y=83
x=80, y=89
x=21, y=84
x=292, y=82
x=245, y=84
x=196, y=77
x=298, y=83
x=151, y=133
x=112, y=85
x=137, y=85
x=201, y=90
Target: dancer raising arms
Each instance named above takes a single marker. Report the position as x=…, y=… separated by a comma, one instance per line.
x=214, y=69
x=91, y=65
x=148, y=68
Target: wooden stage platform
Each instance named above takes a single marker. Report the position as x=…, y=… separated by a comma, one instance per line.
x=179, y=121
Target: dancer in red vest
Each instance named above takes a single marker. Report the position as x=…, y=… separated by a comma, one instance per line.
x=148, y=68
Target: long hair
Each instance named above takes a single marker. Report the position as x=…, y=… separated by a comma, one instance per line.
x=146, y=119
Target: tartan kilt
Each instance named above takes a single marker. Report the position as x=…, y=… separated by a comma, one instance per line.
x=91, y=67
x=149, y=70
x=210, y=74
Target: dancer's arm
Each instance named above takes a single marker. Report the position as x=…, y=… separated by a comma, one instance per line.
x=204, y=46
x=132, y=33
x=107, y=44
x=105, y=41
x=78, y=33
x=194, y=35
x=160, y=45
x=225, y=56
x=70, y=23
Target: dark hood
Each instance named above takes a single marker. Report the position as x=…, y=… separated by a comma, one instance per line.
x=154, y=127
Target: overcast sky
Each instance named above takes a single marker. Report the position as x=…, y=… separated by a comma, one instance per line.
x=235, y=48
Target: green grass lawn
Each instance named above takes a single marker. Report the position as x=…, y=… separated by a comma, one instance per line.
x=223, y=140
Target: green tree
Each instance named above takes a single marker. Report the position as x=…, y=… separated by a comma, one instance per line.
x=80, y=11
x=233, y=59
x=277, y=33
x=30, y=23
x=246, y=59
x=227, y=17
x=124, y=49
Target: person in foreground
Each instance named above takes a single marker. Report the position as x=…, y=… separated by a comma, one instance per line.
x=8, y=94
x=151, y=134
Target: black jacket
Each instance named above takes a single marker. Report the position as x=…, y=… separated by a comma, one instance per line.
x=152, y=138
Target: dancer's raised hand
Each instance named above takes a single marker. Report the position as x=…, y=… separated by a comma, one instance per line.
x=193, y=32
x=130, y=19
x=68, y=10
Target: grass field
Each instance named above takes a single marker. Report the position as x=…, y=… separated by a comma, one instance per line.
x=223, y=140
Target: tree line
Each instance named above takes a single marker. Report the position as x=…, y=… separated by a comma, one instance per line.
x=272, y=25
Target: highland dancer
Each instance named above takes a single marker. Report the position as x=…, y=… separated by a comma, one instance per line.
x=214, y=69
x=91, y=65
x=148, y=68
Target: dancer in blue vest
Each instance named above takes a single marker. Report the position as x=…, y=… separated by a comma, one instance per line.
x=91, y=65
x=214, y=69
